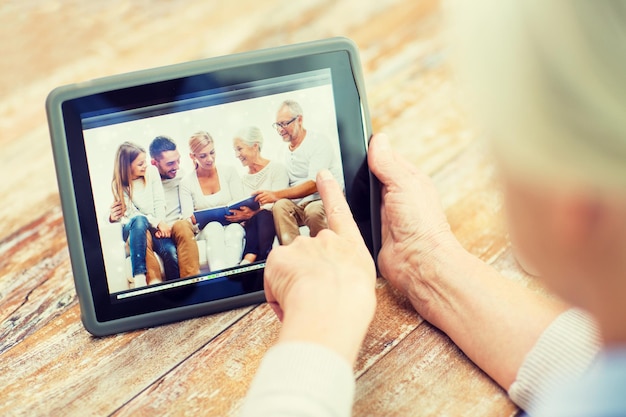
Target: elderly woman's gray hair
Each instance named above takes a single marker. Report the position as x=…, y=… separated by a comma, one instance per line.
x=250, y=135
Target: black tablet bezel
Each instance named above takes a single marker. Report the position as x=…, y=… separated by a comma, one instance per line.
x=67, y=107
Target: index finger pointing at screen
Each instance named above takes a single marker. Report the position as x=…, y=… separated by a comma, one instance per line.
x=338, y=212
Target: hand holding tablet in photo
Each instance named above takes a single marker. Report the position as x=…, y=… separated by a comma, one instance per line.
x=234, y=212
x=241, y=214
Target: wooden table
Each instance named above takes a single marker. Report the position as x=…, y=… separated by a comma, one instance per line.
x=49, y=365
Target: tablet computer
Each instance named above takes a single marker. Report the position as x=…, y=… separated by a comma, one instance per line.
x=103, y=134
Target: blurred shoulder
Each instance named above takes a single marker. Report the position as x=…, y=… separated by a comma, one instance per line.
x=189, y=178
x=226, y=170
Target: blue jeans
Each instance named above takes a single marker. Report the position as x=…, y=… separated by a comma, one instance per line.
x=166, y=249
x=135, y=231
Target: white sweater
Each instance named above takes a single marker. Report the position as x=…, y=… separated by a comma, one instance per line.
x=172, y=198
x=562, y=354
x=192, y=198
x=272, y=177
x=314, y=154
x=303, y=379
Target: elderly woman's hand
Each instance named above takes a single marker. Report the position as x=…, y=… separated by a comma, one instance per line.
x=415, y=232
x=322, y=288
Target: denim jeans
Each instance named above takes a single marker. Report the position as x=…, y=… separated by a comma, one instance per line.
x=135, y=232
x=166, y=249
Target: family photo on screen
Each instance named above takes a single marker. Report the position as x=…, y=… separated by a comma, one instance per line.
x=184, y=201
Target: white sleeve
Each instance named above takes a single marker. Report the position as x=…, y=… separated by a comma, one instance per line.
x=563, y=352
x=158, y=197
x=233, y=183
x=185, y=194
x=301, y=379
x=279, y=178
x=321, y=157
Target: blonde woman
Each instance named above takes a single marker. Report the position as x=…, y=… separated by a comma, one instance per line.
x=139, y=205
x=209, y=186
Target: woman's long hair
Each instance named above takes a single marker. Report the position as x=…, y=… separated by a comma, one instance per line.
x=122, y=183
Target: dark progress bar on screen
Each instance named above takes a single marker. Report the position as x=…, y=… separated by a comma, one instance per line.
x=190, y=281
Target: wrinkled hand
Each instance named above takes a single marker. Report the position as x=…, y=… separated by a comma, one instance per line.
x=414, y=227
x=322, y=288
x=115, y=214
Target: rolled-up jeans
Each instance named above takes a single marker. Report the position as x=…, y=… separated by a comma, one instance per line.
x=166, y=249
x=135, y=231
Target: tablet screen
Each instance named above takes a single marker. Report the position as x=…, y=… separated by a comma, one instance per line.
x=220, y=103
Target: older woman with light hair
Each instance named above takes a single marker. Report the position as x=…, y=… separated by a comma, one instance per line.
x=262, y=174
x=548, y=82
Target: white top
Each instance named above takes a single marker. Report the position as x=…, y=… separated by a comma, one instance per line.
x=305, y=379
x=301, y=379
x=148, y=198
x=562, y=354
x=272, y=177
x=599, y=393
x=313, y=155
x=192, y=198
x=172, y=198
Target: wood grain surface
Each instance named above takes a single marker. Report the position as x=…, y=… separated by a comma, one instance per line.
x=49, y=365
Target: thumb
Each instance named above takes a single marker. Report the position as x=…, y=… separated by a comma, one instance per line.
x=380, y=157
x=388, y=167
